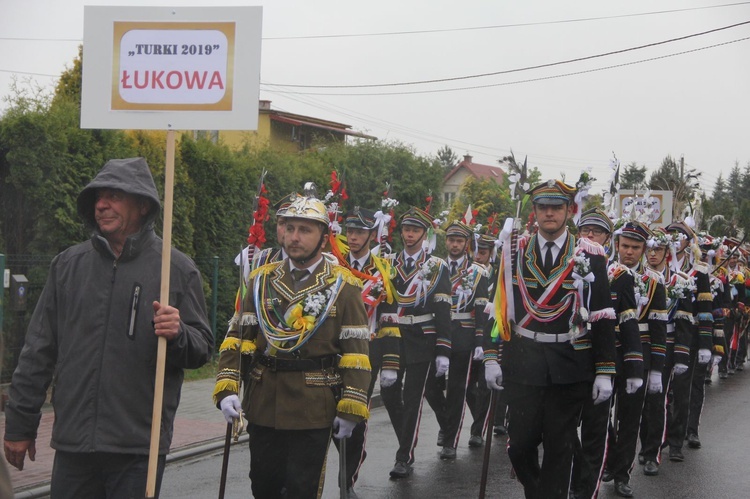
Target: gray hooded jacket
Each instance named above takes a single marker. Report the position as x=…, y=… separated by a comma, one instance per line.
x=92, y=333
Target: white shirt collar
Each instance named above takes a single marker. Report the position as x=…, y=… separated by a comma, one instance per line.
x=416, y=256
x=309, y=267
x=558, y=242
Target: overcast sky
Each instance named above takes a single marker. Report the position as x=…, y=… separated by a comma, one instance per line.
x=654, y=103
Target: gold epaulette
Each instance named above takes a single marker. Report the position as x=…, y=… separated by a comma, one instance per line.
x=265, y=269
x=347, y=276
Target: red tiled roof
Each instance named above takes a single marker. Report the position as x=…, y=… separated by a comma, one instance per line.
x=478, y=171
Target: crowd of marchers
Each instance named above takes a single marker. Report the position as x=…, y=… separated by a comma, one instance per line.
x=583, y=336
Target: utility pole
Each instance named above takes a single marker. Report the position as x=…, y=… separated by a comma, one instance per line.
x=682, y=166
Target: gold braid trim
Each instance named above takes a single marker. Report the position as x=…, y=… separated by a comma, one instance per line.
x=384, y=332
x=232, y=343
x=355, y=361
x=265, y=269
x=705, y=297
x=225, y=385
x=346, y=275
x=353, y=407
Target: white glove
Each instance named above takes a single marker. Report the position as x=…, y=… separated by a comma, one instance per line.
x=654, y=382
x=602, y=388
x=478, y=354
x=704, y=356
x=632, y=385
x=230, y=408
x=342, y=428
x=441, y=365
x=493, y=375
x=388, y=377
x=716, y=359
x=680, y=369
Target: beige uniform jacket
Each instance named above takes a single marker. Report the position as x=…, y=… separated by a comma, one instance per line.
x=299, y=399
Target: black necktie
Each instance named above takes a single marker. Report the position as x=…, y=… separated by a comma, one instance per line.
x=548, y=260
x=409, y=265
x=298, y=275
x=355, y=265
x=454, y=264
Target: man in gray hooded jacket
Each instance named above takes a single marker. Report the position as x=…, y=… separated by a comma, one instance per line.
x=94, y=332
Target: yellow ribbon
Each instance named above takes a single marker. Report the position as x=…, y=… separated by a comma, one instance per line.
x=298, y=321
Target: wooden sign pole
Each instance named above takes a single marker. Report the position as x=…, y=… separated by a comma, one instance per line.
x=161, y=353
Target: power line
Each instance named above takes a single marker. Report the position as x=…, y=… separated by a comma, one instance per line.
x=499, y=26
x=599, y=167
x=529, y=80
x=443, y=30
x=516, y=70
x=28, y=73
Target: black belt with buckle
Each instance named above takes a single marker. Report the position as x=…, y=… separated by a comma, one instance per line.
x=279, y=364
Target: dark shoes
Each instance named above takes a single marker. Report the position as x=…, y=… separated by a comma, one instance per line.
x=475, y=441
x=693, y=441
x=441, y=439
x=622, y=489
x=401, y=470
x=350, y=494
x=500, y=430
x=448, y=453
x=723, y=375
x=607, y=476
x=676, y=455
x=651, y=468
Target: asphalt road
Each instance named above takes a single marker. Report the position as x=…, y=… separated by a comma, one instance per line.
x=718, y=470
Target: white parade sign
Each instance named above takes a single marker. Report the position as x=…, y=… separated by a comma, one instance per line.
x=171, y=68
x=659, y=204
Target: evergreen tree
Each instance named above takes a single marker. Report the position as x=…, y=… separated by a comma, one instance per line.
x=633, y=177
x=447, y=158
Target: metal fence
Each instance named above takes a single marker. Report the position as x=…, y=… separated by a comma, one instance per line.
x=13, y=323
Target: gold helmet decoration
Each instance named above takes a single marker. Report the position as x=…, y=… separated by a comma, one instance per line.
x=308, y=208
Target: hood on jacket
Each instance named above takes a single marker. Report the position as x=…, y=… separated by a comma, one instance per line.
x=131, y=175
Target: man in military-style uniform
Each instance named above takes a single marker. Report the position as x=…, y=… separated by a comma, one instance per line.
x=551, y=361
x=477, y=393
x=719, y=296
x=588, y=463
x=378, y=293
x=734, y=276
x=679, y=338
x=469, y=298
x=652, y=323
x=679, y=400
x=424, y=300
x=299, y=390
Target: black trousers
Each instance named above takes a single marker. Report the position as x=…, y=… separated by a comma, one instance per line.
x=403, y=401
x=546, y=415
x=478, y=398
x=678, y=403
x=590, y=452
x=293, y=460
x=623, y=437
x=355, y=445
x=697, y=395
x=728, y=361
x=449, y=405
x=100, y=475
x=654, y=420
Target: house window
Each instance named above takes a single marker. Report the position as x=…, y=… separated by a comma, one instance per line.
x=448, y=197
